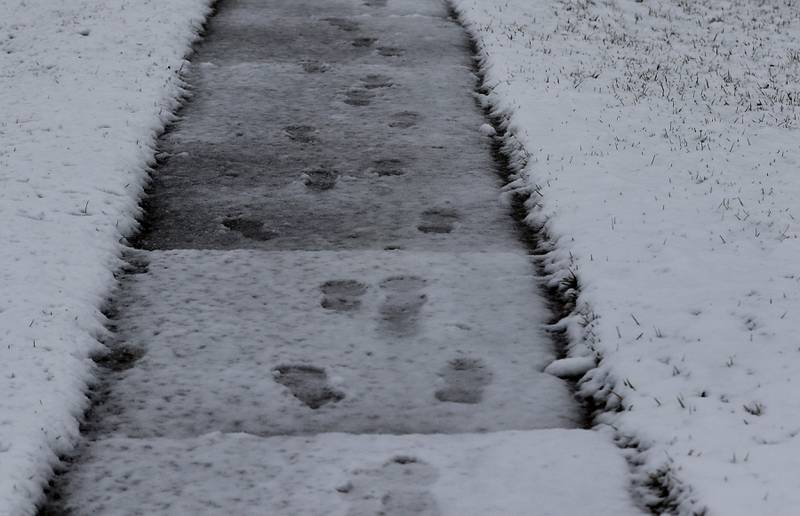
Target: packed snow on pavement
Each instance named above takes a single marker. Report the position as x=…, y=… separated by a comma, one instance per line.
x=545, y=472
x=659, y=142
x=85, y=86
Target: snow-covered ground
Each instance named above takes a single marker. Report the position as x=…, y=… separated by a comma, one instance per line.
x=85, y=85
x=659, y=140
x=544, y=472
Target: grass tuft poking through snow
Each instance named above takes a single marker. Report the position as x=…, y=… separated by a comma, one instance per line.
x=658, y=144
x=85, y=87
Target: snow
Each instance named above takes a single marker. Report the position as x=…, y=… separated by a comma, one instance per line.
x=487, y=130
x=572, y=367
x=84, y=88
x=659, y=140
x=399, y=342
x=546, y=472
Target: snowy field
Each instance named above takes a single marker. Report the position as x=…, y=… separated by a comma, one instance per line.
x=659, y=142
x=85, y=85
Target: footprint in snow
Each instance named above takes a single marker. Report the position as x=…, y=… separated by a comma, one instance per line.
x=438, y=220
x=342, y=295
x=400, y=487
x=320, y=179
x=402, y=303
x=465, y=380
x=309, y=384
x=358, y=97
x=388, y=167
x=375, y=80
x=404, y=119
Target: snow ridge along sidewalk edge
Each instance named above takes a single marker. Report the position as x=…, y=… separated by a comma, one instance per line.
x=658, y=490
x=87, y=89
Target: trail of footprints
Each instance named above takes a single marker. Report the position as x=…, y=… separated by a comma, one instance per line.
x=464, y=379
x=399, y=486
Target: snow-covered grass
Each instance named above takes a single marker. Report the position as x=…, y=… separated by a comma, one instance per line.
x=659, y=143
x=85, y=86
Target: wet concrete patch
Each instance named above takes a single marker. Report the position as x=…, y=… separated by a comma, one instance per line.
x=465, y=380
x=342, y=295
x=250, y=228
x=404, y=119
x=438, y=220
x=309, y=384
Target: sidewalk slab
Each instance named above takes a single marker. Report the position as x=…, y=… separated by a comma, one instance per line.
x=541, y=473
x=299, y=342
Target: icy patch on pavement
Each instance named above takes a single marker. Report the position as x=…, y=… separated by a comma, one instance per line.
x=546, y=472
x=84, y=87
x=368, y=341
x=659, y=143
